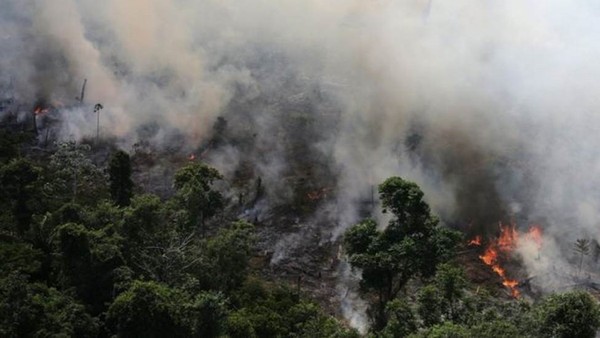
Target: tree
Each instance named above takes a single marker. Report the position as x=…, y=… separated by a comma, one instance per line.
x=206, y=314
x=447, y=330
x=73, y=176
x=147, y=309
x=429, y=305
x=34, y=310
x=11, y=142
x=581, y=248
x=20, y=191
x=495, y=329
x=194, y=192
x=411, y=245
x=226, y=256
x=121, y=185
x=451, y=281
x=267, y=310
x=88, y=260
x=571, y=314
x=401, y=319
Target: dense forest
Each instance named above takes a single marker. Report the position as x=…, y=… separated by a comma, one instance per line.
x=87, y=253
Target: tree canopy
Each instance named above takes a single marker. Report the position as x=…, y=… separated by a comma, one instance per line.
x=411, y=245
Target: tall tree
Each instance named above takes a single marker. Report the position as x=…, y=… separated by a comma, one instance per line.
x=195, y=192
x=582, y=249
x=73, y=176
x=121, y=185
x=19, y=181
x=411, y=245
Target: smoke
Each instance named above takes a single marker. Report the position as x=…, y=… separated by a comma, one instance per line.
x=490, y=106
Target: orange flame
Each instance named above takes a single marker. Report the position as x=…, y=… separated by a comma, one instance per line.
x=475, y=241
x=508, y=238
x=318, y=194
x=505, y=244
x=40, y=111
x=534, y=234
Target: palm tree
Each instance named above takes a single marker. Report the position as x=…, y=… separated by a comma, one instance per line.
x=582, y=248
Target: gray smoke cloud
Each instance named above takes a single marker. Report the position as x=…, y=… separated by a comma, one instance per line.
x=490, y=106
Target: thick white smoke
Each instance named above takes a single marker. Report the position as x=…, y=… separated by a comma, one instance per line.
x=491, y=106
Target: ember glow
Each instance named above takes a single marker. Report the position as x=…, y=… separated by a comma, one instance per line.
x=318, y=194
x=534, y=234
x=40, y=111
x=501, y=249
x=475, y=241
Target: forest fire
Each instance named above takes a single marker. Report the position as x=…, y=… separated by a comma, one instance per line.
x=475, y=241
x=535, y=235
x=40, y=111
x=318, y=194
x=502, y=247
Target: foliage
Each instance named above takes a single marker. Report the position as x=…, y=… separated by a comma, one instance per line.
x=447, y=330
x=11, y=143
x=429, y=305
x=195, y=193
x=275, y=311
x=121, y=185
x=581, y=248
x=88, y=259
x=411, y=245
x=34, y=310
x=495, y=329
x=73, y=176
x=147, y=309
x=451, y=282
x=206, y=314
x=20, y=192
x=401, y=319
x=572, y=314
x=19, y=257
x=227, y=255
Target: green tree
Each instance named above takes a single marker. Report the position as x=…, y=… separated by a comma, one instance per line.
x=429, y=305
x=226, y=256
x=147, y=309
x=34, y=310
x=446, y=330
x=11, y=143
x=88, y=260
x=401, y=319
x=495, y=329
x=451, y=282
x=121, y=185
x=571, y=314
x=20, y=192
x=206, y=315
x=73, y=176
x=412, y=244
x=267, y=310
x=19, y=257
x=195, y=193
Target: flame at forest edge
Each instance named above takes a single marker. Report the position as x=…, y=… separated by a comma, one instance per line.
x=502, y=247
